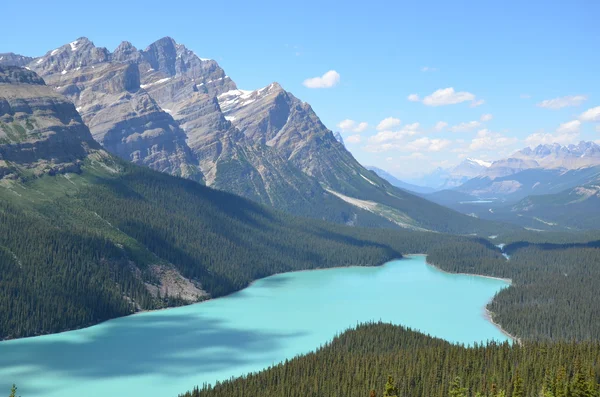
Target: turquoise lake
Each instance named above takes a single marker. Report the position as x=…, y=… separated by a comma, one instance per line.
x=167, y=352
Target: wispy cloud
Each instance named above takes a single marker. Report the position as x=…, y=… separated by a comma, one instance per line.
x=488, y=140
x=428, y=69
x=388, y=123
x=447, y=96
x=565, y=133
x=592, y=114
x=440, y=125
x=466, y=126
x=486, y=117
x=328, y=80
x=352, y=126
x=562, y=102
x=353, y=139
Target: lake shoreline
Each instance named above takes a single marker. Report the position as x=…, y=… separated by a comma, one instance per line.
x=487, y=314
x=139, y=312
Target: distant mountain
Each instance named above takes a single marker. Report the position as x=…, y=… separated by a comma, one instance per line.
x=533, y=181
x=555, y=156
x=338, y=137
x=448, y=178
x=546, y=169
x=398, y=183
x=11, y=59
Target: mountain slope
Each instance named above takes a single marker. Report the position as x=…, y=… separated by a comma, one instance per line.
x=276, y=118
x=40, y=131
x=575, y=208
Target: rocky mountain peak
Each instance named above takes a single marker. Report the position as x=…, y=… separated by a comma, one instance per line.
x=162, y=55
x=76, y=54
x=126, y=52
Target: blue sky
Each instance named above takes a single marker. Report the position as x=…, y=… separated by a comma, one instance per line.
x=500, y=58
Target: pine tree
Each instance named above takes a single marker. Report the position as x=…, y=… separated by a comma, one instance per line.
x=518, y=386
x=13, y=391
x=390, y=388
x=456, y=390
x=547, y=388
x=560, y=383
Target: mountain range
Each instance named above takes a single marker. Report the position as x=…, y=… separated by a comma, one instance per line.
x=449, y=178
x=168, y=109
x=549, y=187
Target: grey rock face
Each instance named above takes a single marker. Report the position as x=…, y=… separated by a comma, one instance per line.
x=40, y=130
x=122, y=116
x=12, y=59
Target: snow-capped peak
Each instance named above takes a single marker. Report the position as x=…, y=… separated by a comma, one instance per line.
x=482, y=163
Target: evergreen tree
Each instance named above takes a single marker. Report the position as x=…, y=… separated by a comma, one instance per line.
x=517, y=386
x=456, y=390
x=390, y=388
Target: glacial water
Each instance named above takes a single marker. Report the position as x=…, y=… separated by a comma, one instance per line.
x=166, y=352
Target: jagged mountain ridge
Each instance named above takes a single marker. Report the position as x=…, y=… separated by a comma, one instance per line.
x=177, y=125
x=554, y=156
x=545, y=169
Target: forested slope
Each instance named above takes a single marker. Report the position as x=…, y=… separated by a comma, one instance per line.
x=360, y=360
x=554, y=292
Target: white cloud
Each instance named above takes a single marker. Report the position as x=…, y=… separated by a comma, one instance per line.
x=428, y=69
x=388, y=123
x=565, y=133
x=392, y=140
x=486, y=117
x=426, y=144
x=446, y=96
x=592, y=114
x=387, y=136
x=476, y=103
x=466, y=126
x=525, y=96
x=562, y=102
x=361, y=127
x=328, y=80
x=440, y=125
x=598, y=128
x=413, y=98
x=353, y=139
x=488, y=140
x=352, y=126
x=569, y=127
